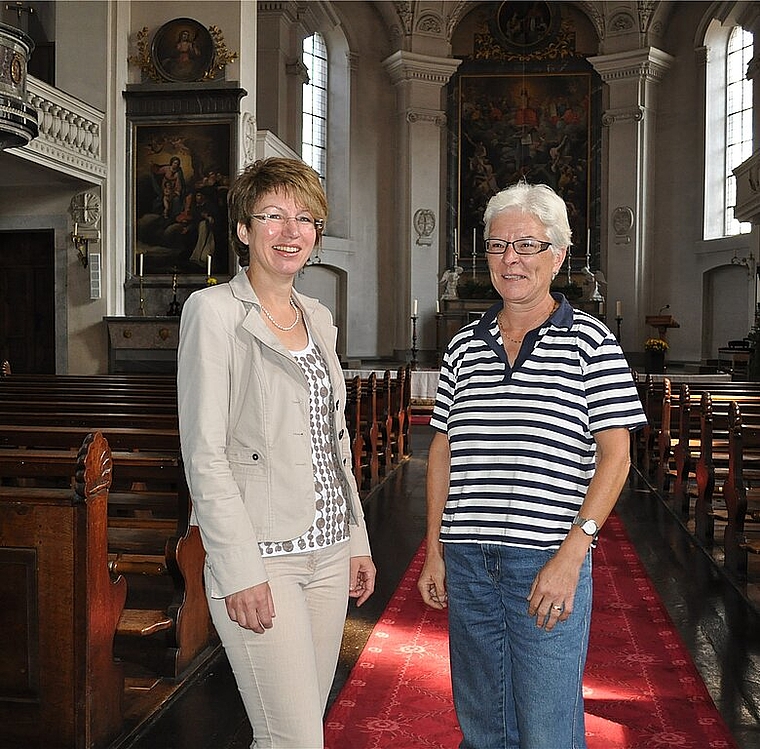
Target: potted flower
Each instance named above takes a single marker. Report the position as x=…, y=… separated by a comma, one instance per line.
x=654, y=355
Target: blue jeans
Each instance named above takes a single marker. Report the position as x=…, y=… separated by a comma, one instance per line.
x=515, y=686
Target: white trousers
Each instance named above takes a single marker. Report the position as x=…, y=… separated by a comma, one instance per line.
x=285, y=675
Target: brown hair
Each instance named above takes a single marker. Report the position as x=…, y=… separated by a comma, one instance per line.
x=292, y=177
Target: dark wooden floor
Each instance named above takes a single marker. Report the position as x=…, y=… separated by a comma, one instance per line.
x=717, y=619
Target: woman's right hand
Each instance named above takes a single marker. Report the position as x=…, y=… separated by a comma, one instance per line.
x=432, y=581
x=252, y=608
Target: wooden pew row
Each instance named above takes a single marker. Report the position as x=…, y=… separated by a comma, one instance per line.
x=132, y=431
x=378, y=416
x=653, y=448
x=680, y=437
x=713, y=461
x=679, y=431
x=144, y=539
x=741, y=491
x=59, y=683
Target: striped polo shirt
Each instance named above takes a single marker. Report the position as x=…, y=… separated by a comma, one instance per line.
x=522, y=438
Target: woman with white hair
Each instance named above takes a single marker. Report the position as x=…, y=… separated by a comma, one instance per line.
x=532, y=416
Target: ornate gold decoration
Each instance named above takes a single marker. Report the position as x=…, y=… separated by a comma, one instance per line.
x=222, y=55
x=144, y=60
x=563, y=45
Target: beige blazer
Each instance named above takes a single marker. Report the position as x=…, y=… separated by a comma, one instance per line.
x=244, y=431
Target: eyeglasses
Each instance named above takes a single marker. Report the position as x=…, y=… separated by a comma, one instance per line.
x=520, y=246
x=277, y=219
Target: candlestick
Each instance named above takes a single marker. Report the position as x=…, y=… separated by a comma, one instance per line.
x=588, y=248
x=142, y=297
x=474, y=253
x=208, y=265
x=414, y=342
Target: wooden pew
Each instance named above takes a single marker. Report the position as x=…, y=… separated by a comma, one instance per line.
x=712, y=465
x=743, y=473
x=387, y=440
x=59, y=684
x=369, y=477
x=674, y=429
x=353, y=422
x=172, y=611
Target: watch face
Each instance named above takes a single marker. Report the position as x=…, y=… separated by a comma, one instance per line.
x=589, y=527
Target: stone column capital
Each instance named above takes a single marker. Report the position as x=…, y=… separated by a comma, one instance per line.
x=405, y=66
x=649, y=63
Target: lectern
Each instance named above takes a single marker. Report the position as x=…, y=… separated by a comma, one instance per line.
x=662, y=323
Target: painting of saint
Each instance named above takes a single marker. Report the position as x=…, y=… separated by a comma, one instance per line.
x=181, y=177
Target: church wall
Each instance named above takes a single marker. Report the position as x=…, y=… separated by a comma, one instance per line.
x=81, y=345
x=83, y=26
x=681, y=260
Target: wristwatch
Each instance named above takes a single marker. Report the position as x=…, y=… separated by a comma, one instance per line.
x=587, y=525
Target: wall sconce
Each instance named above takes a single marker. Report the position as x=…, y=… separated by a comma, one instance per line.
x=746, y=262
x=81, y=241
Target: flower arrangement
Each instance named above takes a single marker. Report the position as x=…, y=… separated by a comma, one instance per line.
x=211, y=281
x=655, y=344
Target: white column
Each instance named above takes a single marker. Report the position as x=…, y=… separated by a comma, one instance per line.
x=420, y=161
x=629, y=122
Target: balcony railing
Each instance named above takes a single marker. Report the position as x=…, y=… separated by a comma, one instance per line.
x=69, y=139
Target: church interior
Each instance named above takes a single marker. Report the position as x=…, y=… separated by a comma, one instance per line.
x=123, y=124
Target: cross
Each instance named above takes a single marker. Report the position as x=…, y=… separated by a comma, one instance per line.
x=19, y=9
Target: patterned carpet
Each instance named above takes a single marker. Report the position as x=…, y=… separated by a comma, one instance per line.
x=641, y=688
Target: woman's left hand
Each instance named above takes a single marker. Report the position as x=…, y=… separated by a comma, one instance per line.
x=553, y=591
x=362, y=582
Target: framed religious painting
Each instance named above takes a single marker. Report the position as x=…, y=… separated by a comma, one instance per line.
x=180, y=175
x=532, y=126
x=183, y=50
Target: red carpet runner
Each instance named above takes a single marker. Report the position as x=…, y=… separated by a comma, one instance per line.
x=641, y=688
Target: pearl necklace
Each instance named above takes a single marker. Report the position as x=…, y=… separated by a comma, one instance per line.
x=519, y=341
x=277, y=325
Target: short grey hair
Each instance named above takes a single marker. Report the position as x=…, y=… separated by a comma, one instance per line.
x=541, y=202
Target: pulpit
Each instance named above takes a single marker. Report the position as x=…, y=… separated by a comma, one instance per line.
x=662, y=323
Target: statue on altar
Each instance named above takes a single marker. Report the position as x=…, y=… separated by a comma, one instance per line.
x=450, y=278
x=590, y=285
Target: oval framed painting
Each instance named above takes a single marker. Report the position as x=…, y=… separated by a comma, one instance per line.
x=182, y=50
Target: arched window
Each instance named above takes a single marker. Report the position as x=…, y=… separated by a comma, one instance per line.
x=738, y=121
x=314, y=126
x=728, y=125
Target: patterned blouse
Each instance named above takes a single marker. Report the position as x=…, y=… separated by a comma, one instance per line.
x=331, y=516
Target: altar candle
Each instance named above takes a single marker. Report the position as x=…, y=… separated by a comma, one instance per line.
x=414, y=309
x=437, y=307
x=140, y=271
x=618, y=308
x=208, y=265
x=456, y=249
x=588, y=248
x=474, y=239
x=76, y=229
x=601, y=307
